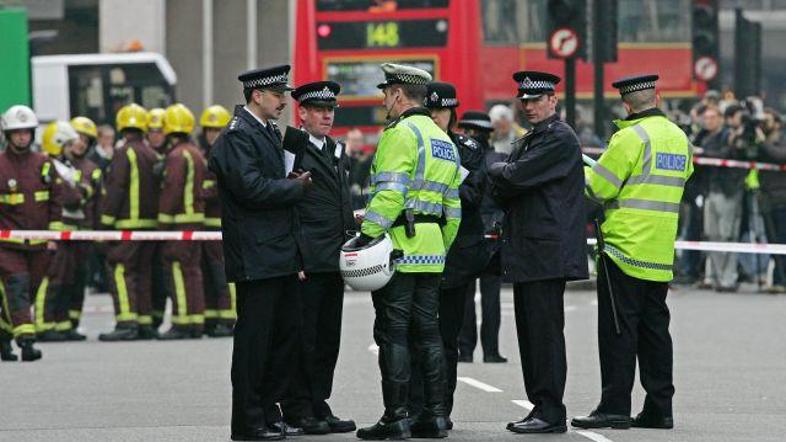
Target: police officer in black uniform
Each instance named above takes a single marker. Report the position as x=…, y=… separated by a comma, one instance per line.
x=466, y=258
x=541, y=187
x=262, y=257
x=325, y=215
x=477, y=125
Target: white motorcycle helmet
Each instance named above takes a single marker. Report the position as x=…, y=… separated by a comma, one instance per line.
x=19, y=117
x=369, y=267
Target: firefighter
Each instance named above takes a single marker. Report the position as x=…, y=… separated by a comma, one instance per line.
x=62, y=142
x=415, y=200
x=129, y=201
x=157, y=140
x=220, y=311
x=181, y=207
x=29, y=200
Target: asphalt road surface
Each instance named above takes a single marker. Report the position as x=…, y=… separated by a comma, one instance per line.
x=730, y=377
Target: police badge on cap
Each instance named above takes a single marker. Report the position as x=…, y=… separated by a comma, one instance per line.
x=533, y=84
x=320, y=93
x=274, y=78
x=440, y=95
x=635, y=83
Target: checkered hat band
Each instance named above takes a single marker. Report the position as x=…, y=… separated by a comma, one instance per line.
x=478, y=123
x=635, y=87
x=540, y=84
x=266, y=81
x=409, y=79
x=447, y=102
x=360, y=273
x=318, y=95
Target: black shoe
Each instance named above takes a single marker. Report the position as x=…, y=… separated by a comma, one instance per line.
x=263, y=433
x=196, y=332
x=392, y=430
x=494, y=359
x=120, y=334
x=175, y=333
x=310, y=425
x=147, y=332
x=649, y=421
x=602, y=420
x=73, y=335
x=29, y=353
x=430, y=428
x=534, y=424
x=449, y=423
x=50, y=336
x=286, y=430
x=220, y=331
x=339, y=425
x=465, y=358
x=7, y=352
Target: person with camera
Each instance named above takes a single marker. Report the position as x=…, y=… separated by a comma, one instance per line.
x=773, y=192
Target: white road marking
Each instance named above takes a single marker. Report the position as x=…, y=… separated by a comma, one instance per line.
x=525, y=404
x=479, y=385
x=593, y=436
x=373, y=348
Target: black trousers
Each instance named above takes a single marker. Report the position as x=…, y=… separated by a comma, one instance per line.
x=451, y=318
x=540, y=320
x=408, y=306
x=323, y=302
x=644, y=322
x=266, y=339
x=490, y=286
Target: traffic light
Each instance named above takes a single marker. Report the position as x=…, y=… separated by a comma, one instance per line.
x=566, y=29
x=705, y=38
x=747, y=56
x=604, y=42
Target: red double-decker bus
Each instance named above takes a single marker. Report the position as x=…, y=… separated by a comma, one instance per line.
x=474, y=44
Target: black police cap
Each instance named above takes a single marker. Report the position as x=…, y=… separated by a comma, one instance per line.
x=318, y=93
x=533, y=84
x=440, y=95
x=636, y=83
x=275, y=77
x=477, y=120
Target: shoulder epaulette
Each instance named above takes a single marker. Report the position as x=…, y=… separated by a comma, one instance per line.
x=235, y=124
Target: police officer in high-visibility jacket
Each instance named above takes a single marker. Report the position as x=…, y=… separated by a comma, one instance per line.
x=414, y=198
x=639, y=180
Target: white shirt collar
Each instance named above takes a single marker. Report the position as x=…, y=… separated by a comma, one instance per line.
x=255, y=116
x=316, y=141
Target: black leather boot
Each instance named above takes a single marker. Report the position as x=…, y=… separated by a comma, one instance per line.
x=7, y=351
x=29, y=353
x=430, y=427
x=121, y=333
x=394, y=424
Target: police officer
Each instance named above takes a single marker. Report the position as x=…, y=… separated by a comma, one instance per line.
x=541, y=187
x=639, y=179
x=258, y=223
x=129, y=201
x=325, y=215
x=466, y=258
x=477, y=125
x=181, y=207
x=220, y=311
x=415, y=181
x=29, y=200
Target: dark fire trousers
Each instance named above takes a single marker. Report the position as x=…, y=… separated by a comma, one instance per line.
x=21, y=273
x=130, y=275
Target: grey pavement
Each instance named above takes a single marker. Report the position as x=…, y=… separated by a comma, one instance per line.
x=730, y=376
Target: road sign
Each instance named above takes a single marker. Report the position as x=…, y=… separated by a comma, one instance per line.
x=564, y=42
x=705, y=68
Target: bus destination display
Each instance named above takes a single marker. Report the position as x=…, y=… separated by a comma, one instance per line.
x=382, y=34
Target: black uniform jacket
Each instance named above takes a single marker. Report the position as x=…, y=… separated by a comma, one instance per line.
x=541, y=187
x=325, y=212
x=467, y=256
x=258, y=203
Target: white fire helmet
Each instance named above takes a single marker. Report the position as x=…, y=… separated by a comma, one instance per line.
x=369, y=267
x=19, y=117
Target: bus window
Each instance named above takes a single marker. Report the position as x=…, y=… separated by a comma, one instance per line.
x=378, y=5
x=510, y=22
x=359, y=79
x=664, y=21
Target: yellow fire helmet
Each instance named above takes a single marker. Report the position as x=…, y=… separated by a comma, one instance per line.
x=155, y=118
x=56, y=135
x=131, y=116
x=178, y=119
x=215, y=117
x=85, y=126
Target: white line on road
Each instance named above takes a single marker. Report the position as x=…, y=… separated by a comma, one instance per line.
x=479, y=385
x=525, y=404
x=593, y=436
